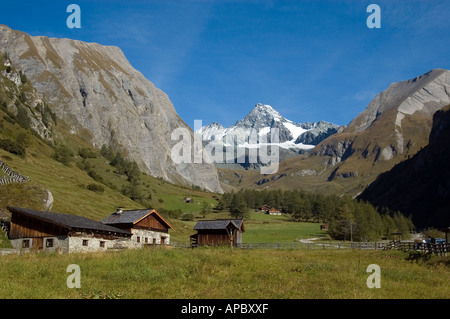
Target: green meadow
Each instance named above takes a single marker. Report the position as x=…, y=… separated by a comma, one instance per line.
x=206, y=272
x=264, y=228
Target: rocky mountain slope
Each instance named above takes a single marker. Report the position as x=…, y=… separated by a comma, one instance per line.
x=395, y=125
x=102, y=98
x=419, y=186
x=259, y=126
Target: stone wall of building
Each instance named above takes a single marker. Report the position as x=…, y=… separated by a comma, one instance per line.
x=70, y=244
x=147, y=237
x=54, y=243
x=83, y=242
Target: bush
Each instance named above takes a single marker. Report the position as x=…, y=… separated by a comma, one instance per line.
x=24, y=139
x=63, y=154
x=87, y=153
x=96, y=188
x=22, y=117
x=12, y=146
x=133, y=191
x=187, y=217
x=170, y=213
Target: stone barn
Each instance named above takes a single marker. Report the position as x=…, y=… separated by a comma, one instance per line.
x=218, y=232
x=49, y=231
x=147, y=226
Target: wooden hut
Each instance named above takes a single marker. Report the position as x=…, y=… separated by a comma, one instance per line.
x=218, y=232
x=147, y=226
x=38, y=230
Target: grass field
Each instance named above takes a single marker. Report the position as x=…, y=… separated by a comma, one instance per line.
x=264, y=228
x=259, y=228
x=205, y=272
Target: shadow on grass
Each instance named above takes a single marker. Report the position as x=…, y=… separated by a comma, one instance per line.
x=418, y=256
x=428, y=259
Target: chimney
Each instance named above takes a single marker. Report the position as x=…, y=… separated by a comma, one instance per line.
x=119, y=211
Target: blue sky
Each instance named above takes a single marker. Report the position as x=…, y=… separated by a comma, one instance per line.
x=311, y=60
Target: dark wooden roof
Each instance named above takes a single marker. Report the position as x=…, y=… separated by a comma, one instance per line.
x=72, y=222
x=219, y=224
x=131, y=217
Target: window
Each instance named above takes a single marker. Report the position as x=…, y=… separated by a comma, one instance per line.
x=26, y=243
x=146, y=240
x=49, y=243
x=85, y=242
x=102, y=244
x=138, y=239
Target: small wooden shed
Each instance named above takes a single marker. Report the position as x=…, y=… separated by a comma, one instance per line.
x=218, y=232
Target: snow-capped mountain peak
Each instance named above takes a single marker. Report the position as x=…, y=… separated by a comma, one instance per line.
x=263, y=119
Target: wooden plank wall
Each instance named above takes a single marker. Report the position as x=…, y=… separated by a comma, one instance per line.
x=151, y=222
x=213, y=237
x=26, y=227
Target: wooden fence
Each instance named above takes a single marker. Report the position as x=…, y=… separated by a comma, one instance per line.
x=300, y=245
x=11, y=175
x=438, y=249
x=314, y=246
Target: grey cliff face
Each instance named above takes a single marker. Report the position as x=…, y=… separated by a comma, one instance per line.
x=94, y=87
